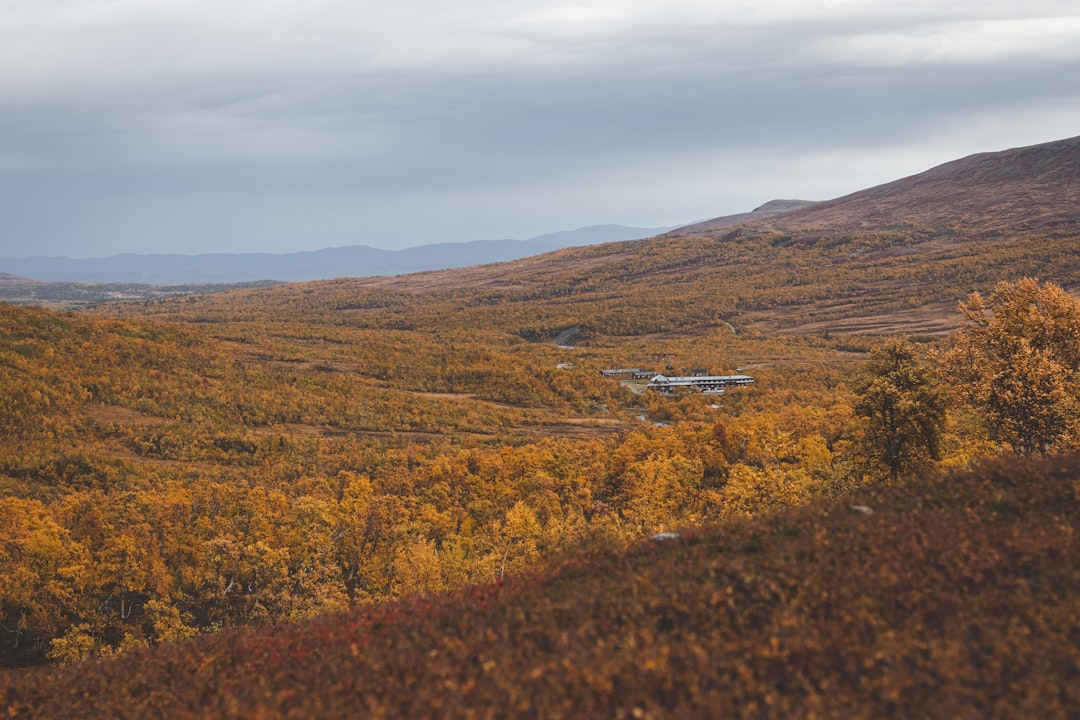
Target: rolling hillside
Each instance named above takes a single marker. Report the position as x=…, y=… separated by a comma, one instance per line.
x=1023, y=189
x=895, y=258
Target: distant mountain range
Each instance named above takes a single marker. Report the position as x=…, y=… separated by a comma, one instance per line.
x=352, y=261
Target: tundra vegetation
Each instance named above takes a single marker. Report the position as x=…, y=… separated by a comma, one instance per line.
x=178, y=469
x=163, y=480
x=956, y=598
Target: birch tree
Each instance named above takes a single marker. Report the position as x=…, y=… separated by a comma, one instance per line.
x=1017, y=359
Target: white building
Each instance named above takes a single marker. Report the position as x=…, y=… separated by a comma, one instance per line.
x=709, y=384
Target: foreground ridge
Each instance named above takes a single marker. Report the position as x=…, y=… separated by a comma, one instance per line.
x=955, y=597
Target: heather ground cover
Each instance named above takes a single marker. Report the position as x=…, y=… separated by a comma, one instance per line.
x=956, y=597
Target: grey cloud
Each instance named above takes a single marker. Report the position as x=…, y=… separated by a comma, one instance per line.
x=350, y=123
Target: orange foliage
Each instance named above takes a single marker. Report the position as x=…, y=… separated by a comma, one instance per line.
x=955, y=598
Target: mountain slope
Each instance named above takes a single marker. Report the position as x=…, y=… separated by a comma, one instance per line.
x=895, y=258
x=891, y=259
x=1029, y=187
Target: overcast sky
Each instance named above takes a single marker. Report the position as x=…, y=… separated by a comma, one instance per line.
x=200, y=126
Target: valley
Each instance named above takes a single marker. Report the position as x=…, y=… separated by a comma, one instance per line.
x=371, y=488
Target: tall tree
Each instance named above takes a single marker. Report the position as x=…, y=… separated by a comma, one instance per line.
x=902, y=410
x=1017, y=359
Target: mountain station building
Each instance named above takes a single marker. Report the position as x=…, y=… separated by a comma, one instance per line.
x=707, y=384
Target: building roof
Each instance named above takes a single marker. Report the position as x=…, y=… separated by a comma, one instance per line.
x=620, y=371
x=700, y=378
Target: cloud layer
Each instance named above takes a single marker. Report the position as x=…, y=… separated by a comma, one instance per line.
x=196, y=126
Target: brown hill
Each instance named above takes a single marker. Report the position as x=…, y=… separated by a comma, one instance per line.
x=1030, y=187
x=1037, y=185
x=895, y=258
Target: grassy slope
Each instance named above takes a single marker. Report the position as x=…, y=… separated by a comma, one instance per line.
x=958, y=597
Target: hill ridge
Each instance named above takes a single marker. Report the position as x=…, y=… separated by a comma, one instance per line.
x=769, y=209
x=991, y=190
